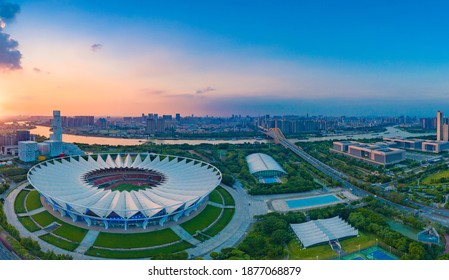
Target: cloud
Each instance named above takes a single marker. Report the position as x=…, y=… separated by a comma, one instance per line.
x=152, y=92
x=10, y=56
x=204, y=90
x=37, y=70
x=96, y=47
x=8, y=11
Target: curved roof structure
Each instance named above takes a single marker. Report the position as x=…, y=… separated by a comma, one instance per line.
x=184, y=183
x=323, y=230
x=259, y=162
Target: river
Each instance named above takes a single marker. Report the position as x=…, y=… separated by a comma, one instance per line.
x=392, y=131
x=43, y=130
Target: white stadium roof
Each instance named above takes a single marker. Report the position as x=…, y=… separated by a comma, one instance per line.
x=323, y=230
x=261, y=162
x=186, y=181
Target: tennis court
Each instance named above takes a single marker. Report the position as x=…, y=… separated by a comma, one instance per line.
x=372, y=253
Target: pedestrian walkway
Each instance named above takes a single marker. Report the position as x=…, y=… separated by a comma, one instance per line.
x=185, y=235
x=88, y=241
x=232, y=233
x=220, y=205
x=31, y=213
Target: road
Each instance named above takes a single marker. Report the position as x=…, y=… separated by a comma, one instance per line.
x=433, y=214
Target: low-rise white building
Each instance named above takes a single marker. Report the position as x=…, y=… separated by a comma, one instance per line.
x=379, y=153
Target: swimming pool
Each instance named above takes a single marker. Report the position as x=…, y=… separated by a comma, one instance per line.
x=269, y=180
x=311, y=201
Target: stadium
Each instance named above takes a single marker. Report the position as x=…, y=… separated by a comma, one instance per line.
x=124, y=190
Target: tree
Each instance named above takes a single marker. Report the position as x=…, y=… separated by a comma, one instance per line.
x=416, y=251
x=281, y=236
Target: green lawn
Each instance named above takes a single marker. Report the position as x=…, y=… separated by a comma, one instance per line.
x=70, y=232
x=44, y=218
x=58, y=242
x=29, y=224
x=135, y=254
x=215, y=196
x=128, y=188
x=136, y=240
x=226, y=195
x=33, y=201
x=324, y=252
x=19, y=203
x=202, y=220
x=221, y=223
x=436, y=176
x=352, y=244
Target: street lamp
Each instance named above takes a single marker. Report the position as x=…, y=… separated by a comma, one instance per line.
x=317, y=257
x=377, y=242
x=359, y=248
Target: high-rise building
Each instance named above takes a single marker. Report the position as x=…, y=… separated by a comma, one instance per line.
x=445, y=132
x=178, y=117
x=161, y=125
x=151, y=125
x=439, y=126
x=23, y=135
x=56, y=126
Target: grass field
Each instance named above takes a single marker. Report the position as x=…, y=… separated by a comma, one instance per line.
x=226, y=195
x=136, y=240
x=29, y=224
x=352, y=244
x=221, y=223
x=215, y=196
x=202, y=220
x=33, y=201
x=325, y=252
x=44, y=218
x=128, y=187
x=19, y=203
x=322, y=252
x=58, y=242
x=135, y=254
x=436, y=177
x=70, y=232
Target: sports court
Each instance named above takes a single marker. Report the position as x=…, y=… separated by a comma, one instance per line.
x=372, y=253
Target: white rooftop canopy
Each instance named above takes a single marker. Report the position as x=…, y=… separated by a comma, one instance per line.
x=323, y=230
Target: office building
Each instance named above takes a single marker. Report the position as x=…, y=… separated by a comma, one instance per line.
x=429, y=146
x=55, y=147
x=28, y=151
x=44, y=148
x=56, y=126
x=439, y=126
x=408, y=144
x=379, y=153
x=445, y=131
x=23, y=135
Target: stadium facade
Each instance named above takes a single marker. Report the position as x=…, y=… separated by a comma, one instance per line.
x=125, y=190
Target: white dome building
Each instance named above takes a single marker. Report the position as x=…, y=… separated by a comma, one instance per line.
x=124, y=190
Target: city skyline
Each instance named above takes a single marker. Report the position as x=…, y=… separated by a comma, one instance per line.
x=220, y=59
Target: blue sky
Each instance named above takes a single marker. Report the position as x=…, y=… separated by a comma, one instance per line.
x=335, y=57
